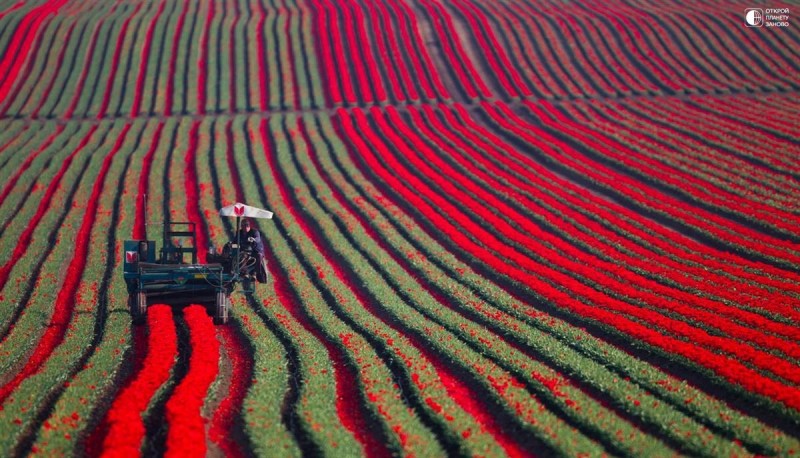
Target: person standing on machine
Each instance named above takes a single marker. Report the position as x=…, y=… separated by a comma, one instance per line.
x=250, y=238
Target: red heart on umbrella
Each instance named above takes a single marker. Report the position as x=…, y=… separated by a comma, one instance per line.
x=238, y=210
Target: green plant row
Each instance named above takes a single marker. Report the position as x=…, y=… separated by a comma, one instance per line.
x=17, y=155
x=490, y=356
x=629, y=381
x=153, y=94
x=65, y=78
x=35, y=393
x=400, y=425
x=22, y=201
x=13, y=132
x=315, y=408
x=130, y=61
x=262, y=408
x=305, y=57
x=418, y=373
x=592, y=242
x=31, y=298
x=87, y=58
x=88, y=392
x=98, y=63
x=17, y=136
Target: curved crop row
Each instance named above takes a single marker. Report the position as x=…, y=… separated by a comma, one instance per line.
x=541, y=333
x=650, y=51
x=559, y=297
x=186, y=429
x=723, y=231
x=65, y=301
x=500, y=228
x=125, y=427
x=62, y=351
x=93, y=382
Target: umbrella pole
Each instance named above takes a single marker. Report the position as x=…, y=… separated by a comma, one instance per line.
x=238, y=244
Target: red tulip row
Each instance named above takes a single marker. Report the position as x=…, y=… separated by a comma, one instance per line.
x=223, y=423
x=663, y=255
x=172, y=72
x=388, y=20
x=629, y=40
x=555, y=71
x=542, y=281
x=233, y=94
x=139, y=229
x=633, y=163
x=83, y=94
x=510, y=80
x=422, y=70
x=21, y=42
x=457, y=60
x=12, y=8
x=421, y=317
x=65, y=302
x=124, y=421
x=725, y=230
x=289, y=90
x=147, y=44
x=765, y=122
x=192, y=192
x=186, y=434
x=398, y=78
x=202, y=63
x=261, y=54
x=701, y=149
x=591, y=363
x=115, y=62
x=641, y=262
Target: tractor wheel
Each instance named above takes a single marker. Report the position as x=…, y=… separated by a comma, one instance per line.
x=138, y=304
x=222, y=308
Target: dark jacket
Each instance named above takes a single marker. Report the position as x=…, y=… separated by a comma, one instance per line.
x=252, y=238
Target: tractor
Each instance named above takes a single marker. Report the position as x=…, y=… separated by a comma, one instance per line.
x=173, y=276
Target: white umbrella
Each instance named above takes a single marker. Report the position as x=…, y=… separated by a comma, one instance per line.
x=245, y=211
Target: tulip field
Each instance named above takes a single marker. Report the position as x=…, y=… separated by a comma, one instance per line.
x=501, y=227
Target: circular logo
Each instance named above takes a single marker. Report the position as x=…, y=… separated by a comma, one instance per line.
x=754, y=17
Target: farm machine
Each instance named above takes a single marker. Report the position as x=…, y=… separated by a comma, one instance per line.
x=173, y=276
